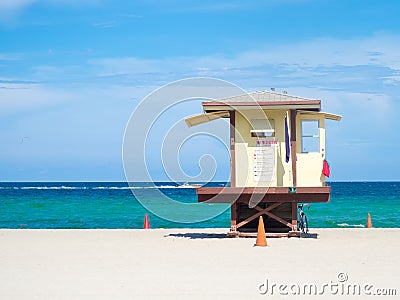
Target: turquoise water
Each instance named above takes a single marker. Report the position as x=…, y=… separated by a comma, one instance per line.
x=112, y=205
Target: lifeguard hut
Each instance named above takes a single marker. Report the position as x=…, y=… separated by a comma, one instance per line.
x=277, y=153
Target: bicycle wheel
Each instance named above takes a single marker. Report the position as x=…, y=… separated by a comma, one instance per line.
x=305, y=224
x=301, y=224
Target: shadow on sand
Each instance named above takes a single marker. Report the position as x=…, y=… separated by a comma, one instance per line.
x=309, y=235
x=198, y=235
x=203, y=235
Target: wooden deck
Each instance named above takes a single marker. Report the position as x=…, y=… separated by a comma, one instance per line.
x=277, y=205
x=264, y=194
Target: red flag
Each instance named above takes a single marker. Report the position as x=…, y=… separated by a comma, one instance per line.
x=325, y=168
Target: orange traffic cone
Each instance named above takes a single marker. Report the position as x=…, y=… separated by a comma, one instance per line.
x=146, y=224
x=261, y=238
x=369, y=222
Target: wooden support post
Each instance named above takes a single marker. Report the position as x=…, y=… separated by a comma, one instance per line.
x=293, y=138
x=234, y=208
x=293, y=148
x=232, y=147
x=294, y=216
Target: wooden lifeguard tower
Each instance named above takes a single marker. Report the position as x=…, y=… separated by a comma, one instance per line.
x=277, y=153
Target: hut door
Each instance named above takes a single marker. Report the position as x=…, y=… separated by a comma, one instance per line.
x=311, y=154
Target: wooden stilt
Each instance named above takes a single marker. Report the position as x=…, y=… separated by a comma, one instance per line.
x=233, y=216
x=294, y=216
x=293, y=138
x=234, y=205
x=293, y=148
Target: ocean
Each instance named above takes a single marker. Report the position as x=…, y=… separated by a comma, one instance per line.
x=111, y=205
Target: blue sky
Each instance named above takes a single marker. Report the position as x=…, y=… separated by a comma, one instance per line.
x=72, y=72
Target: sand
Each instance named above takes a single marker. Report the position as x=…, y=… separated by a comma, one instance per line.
x=192, y=264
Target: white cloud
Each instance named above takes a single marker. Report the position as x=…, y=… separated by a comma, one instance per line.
x=106, y=24
x=27, y=99
x=16, y=98
x=324, y=52
x=364, y=66
x=392, y=80
x=10, y=56
x=186, y=6
x=7, y=6
x=11, y=5
x=363, y=71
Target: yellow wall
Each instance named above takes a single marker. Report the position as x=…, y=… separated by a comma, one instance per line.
x=309, y=165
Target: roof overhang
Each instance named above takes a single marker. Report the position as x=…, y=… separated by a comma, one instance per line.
x=326, y=115
x=206, y=117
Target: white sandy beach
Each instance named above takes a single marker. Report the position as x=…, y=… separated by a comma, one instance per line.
x=190, y=263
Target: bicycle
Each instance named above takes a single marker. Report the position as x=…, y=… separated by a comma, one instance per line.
x=303, y=223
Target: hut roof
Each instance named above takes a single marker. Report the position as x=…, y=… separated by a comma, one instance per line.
x=265, y=99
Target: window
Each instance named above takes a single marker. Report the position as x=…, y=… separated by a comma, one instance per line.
x=262, y=128
x=309, y=136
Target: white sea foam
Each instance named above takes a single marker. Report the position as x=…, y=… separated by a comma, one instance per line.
x=50, y=188
x=110, y=188
x=152, y=187
x=64, y=187
x=119, y=188
x=351, y=225
x=167, y=187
